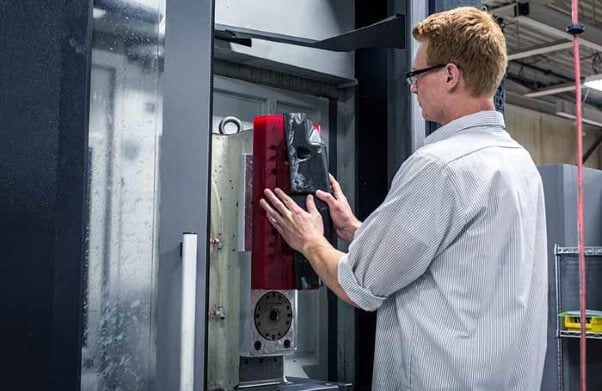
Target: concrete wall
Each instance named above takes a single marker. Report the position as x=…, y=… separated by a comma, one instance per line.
x=548, y=138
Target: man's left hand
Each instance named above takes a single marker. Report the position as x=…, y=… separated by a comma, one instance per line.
x=298, y=227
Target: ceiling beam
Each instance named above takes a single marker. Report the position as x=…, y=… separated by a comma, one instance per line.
x=590, y=116
x=551, y=22
x=540, y=49
x=566, y=87
x=516, y=99
x=561, y=108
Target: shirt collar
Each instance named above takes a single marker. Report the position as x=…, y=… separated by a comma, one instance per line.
x=487, y=119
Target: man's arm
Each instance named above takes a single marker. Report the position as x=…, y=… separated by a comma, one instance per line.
x=324, y=259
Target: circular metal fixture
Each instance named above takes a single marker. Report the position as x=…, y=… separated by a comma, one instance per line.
x=224, y=129
x=273, y=316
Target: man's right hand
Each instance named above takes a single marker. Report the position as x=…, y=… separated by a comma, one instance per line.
x=344, y=221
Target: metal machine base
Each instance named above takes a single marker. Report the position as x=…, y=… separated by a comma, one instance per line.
x=297, y=384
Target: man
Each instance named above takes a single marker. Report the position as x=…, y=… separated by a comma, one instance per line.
x=454, y=259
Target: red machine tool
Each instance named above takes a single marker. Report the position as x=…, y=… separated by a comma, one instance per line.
x=287, y=153
x=272, y=259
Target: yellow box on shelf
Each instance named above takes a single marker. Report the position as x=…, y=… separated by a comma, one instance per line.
x=571, y=321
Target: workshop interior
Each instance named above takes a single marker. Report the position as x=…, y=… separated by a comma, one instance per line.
x=139, y=137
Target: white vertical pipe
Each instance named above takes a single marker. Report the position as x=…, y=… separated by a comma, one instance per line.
x=187, y=324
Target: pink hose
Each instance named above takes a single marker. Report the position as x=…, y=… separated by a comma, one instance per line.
x=580, y=236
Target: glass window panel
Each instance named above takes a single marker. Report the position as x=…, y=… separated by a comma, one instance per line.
x=124, y=133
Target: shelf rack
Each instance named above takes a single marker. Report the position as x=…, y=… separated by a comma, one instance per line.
x=591, y=253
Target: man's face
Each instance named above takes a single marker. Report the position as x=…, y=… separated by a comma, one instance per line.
x=428, y=87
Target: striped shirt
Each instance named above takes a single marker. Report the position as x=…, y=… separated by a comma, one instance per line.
x=455, y=262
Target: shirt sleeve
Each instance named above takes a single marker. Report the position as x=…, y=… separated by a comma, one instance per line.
x=395, y=245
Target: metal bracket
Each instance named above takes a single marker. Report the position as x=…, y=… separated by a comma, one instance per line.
x=522, y=9
x=591, y=149
x=387, y=33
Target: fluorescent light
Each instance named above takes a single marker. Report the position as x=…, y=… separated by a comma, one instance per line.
x=593, y=81
x=98, y=13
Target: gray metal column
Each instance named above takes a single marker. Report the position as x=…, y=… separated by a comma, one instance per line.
x=418, y=11
x=345, y=173
x=185, y=166
x=406, y=126
x=560, y=190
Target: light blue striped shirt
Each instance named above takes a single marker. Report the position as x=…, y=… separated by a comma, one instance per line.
x=455, y=262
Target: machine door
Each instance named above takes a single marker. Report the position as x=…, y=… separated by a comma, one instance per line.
x=147, y=197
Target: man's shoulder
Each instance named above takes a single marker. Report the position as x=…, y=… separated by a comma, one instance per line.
x=465, y=144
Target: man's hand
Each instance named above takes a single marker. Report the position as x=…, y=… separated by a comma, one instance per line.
x=344, y=221
x=304, y=232
x=299, y=228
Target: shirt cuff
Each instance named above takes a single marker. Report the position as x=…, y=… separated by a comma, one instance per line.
x=356, y=231
x=361, y=296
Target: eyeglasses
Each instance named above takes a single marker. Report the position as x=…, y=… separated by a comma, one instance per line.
x=412, y=77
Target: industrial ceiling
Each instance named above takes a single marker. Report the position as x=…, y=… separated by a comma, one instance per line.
x=540, y=71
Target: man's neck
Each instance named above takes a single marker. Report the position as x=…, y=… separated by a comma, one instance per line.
x=467, y=107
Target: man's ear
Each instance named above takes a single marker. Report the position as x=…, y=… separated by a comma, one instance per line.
x=453, y=75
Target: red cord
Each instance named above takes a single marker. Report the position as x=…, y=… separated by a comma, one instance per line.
x=580, y=236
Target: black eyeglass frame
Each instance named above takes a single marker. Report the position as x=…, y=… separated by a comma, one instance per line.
x=412, y=75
